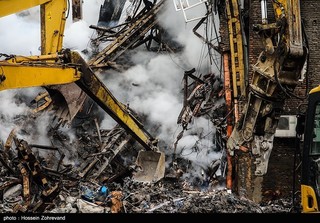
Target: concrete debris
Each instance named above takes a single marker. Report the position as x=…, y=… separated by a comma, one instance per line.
x=67, y=209
x=88, y=207
x=12, y=192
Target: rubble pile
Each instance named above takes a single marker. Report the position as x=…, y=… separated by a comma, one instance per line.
x=133, y=197
x=65, y=191
x=172, y=197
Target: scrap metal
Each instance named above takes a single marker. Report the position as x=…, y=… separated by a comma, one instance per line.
x=134, y=32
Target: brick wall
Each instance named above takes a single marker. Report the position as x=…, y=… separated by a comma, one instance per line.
x=224, y=43
x=311, y=18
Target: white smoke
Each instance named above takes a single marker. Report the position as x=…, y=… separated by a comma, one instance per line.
x=20, y=33
x=154, y=87
x=8, y=110
x=77, y=36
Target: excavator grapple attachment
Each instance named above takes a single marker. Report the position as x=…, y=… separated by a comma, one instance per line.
x=152, y=166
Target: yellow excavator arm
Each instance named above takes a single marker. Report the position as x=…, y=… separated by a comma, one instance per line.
x=34, y=71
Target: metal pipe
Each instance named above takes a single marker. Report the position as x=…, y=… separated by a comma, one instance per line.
x=43, y=147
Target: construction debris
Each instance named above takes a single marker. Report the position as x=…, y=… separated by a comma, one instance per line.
x=42, y=188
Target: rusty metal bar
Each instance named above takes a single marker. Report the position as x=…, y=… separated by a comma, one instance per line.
x=137, y=29
x=43, y=147
x=25, y=182
x=228, y=97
